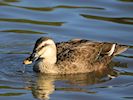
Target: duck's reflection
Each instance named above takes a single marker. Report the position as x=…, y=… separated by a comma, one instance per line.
x=44, y=85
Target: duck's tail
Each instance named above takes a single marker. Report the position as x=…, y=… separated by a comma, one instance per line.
x=113, y=49
x=119, y=49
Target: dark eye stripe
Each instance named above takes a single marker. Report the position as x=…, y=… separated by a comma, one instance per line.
x=46, y=44
x=43, y=46
x=39, y=48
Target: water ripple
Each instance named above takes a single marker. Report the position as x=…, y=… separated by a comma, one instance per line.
x=126, y=0
x=23, y=31
x=61, y=7
x=32, y=22
x=123, y=20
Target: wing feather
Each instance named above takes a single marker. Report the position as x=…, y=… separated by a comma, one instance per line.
x=77, y=52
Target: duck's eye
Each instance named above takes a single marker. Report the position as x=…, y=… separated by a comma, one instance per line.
x=44, y=46
x=41, y=47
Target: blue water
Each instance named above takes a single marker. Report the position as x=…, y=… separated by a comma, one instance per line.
x=24, y=21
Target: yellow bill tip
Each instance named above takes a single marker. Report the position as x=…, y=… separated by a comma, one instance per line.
x=27, y=61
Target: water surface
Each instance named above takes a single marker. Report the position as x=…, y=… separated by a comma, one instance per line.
x=23, y=21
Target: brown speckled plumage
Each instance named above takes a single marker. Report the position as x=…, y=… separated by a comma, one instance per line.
x=78, y=56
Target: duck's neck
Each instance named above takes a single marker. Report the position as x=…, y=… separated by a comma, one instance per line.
x=46, y=66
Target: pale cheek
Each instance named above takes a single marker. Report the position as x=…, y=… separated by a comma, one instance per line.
x=46, y=53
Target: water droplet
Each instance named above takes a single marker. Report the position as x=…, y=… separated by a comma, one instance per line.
x=23, y=68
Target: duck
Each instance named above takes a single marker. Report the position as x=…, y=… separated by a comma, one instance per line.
x=73, y=56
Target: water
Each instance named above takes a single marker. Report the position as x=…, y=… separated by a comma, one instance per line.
x=23, y=21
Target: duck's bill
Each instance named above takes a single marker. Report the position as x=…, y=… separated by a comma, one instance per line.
x=27, y=61
x=33, y=57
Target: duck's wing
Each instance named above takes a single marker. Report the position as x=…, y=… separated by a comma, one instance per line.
x=84, y=51
x=86, y=56
x=80, y=58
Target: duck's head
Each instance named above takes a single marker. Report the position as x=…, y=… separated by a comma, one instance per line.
x=44, y=48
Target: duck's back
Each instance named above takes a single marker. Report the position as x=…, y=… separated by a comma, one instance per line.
x=80, y=56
